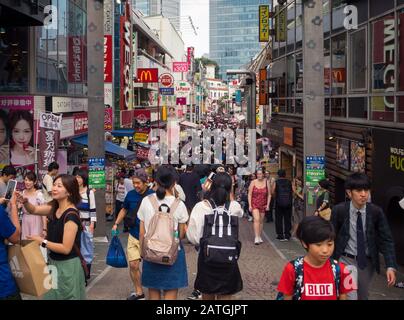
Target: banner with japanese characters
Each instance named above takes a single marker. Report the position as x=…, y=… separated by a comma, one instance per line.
x=49, y=136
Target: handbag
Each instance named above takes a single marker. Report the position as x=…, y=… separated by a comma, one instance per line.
x=29, y=268
x=325, y=214
x=116, y=256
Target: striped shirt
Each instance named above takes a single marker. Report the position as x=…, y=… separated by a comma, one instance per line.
x=87, y=211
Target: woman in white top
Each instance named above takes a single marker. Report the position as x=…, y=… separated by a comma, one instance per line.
x=158, y=277
x=215, y=281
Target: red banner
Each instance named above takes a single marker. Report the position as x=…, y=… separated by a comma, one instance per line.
x=142, y=120
x=49, y=137
x=80, y=123
x=108, y=119
x=126, y=118
x=125, y=59
x=77, y=59
x=108, y=58
x=190, y=55
x=150, y=75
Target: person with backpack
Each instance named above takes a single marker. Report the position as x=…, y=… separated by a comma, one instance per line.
x=362, y=234
x=213, y=226
x=47, y=181
x=323, y=200
x=88, y=216
x=259, y=199
x=130, y=214
x=315, y=276
x=163, y=219
x=63, y=239
x=282, y=189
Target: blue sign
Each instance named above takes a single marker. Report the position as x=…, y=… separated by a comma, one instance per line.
x=167, y=91
x=315, y=163
x=96, y=163
x=238, y=96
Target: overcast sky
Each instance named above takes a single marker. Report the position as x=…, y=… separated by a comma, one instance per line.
x=198, y=10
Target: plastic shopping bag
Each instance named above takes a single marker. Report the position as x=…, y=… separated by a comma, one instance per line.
x=116, y=256
x=87, y=246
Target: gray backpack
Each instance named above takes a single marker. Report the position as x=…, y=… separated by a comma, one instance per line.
x=161, y=241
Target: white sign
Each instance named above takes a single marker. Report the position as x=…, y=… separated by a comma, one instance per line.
x=67, y=128
x=50, y=121
x=108, y=94
x=62, y=105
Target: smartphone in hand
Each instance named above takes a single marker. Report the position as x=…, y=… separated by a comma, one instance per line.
x=11, y=186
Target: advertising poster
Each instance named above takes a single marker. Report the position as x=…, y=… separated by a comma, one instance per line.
x=343, y=153
x=358, y=156
x=141, y=124
x=96, y=173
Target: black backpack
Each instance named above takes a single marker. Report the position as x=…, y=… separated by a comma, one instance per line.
x=220, y=244
x=283, y=190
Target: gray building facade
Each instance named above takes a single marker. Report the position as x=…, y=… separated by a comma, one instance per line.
x=171, y=9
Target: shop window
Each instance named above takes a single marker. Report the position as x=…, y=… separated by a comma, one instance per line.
x=291, y=37
x=291, y=76
x=338, y=107
x=326, y=16
x=400, y=109
x=299, y=24
x=338, y=64
x=383, y=55
x=14, y=59
x=378, y=7
x=338, y=14
x=400, y=68
x=358, y=60
x=383, y=108
x=358, y=108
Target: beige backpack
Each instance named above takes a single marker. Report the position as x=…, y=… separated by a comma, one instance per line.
x=161, y=241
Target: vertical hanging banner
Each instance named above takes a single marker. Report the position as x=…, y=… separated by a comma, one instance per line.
x=96, y=173
x=49, y=136
x=262, y=87
x=264, y=23
x=125, y=60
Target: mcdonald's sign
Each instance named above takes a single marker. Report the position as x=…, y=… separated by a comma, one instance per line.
x=150, y=75
x=338, y=75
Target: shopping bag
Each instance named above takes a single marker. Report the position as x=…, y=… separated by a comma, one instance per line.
x=325, y=214
x=29, y=268
x=87, y=246
x=116, y=256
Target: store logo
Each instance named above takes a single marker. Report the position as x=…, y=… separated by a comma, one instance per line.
x=351, y=19
x=51, y=17
x=148, y=75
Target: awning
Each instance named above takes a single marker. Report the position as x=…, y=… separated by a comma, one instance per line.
x=123, y=132
x=109, y=148
x=189, y=124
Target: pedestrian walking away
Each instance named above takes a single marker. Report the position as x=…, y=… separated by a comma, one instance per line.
x=362, y=234
x=213, y=226
x=129, y=213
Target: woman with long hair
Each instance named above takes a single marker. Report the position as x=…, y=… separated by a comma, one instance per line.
x=215, y=281
x=259, y=199
x=63, y=239
x=22, y=151
x=157, y=277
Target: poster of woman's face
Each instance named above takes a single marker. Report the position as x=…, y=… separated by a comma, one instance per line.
x=358, y=156
x=22, y=151
x=343, y=153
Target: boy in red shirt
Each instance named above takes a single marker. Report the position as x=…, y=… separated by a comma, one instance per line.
x=315, y=276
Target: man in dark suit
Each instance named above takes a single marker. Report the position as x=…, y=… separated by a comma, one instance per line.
x=362, y=232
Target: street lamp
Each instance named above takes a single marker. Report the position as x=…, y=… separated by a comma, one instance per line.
x=251, y=110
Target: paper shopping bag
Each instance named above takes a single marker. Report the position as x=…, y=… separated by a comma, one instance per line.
x=29, y=268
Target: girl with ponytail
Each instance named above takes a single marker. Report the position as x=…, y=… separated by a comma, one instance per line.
x=215, y=282
x=164, y=281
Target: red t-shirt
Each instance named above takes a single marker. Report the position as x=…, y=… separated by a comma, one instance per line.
x=319, y=283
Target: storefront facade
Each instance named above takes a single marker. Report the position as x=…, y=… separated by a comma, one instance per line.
x=364, y=96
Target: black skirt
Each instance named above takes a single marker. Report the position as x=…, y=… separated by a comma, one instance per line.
x=217, y=279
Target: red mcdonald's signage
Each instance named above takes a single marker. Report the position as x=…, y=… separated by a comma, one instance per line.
x=148, y=75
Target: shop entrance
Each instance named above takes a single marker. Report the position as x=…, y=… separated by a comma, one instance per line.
x=395, y=216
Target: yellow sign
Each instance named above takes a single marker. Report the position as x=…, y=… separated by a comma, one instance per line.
x=280, y=24
x=264, y=23
x=141, y=137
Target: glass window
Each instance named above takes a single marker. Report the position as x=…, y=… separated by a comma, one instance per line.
x=338, y=107
x=383, y=47
x=327, y=68
x=338, y=64
x=358, y=60
x=338, y=14
x=358, y=108
x=282, y=30
x=327, y=107
x=382, y=108
x=291, y=76
x=400, y=109
x=299, y=75
x=378, y=7
x=326, y=16
x=291, y=28
x=299, y=106
x=299, y=24
x=14, y=59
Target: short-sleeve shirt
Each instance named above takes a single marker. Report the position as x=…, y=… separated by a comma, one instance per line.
x=146, y=211
x=319, y=283
x=56, y=231
x=47, y=187
x=130, y=204
x=120, y=192
x=7, y=283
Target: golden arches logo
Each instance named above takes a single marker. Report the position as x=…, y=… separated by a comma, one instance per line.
x=145, y=76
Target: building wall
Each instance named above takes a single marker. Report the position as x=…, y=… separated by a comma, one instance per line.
x=171, y=8
x=233, y=27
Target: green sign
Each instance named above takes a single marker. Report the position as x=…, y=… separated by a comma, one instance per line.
x=96, y=173
x=315, y=170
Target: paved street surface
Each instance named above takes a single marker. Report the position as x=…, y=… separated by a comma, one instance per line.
x=260, y=267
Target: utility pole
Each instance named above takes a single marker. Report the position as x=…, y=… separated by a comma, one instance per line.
x=313, y=94
x=96, y=108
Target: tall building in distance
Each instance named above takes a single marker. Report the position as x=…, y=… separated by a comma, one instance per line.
x=233, y=28
x=171, y=9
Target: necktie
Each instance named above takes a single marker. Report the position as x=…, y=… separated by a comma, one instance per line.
x=360, y=239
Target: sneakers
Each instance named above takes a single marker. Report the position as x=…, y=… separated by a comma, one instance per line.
x=258, y=240
x=250, y=219
x=261, y=241
x=135, y=296
x=284, y=240
x=195, y=295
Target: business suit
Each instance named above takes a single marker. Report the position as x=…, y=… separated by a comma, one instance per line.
x=378, y=239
